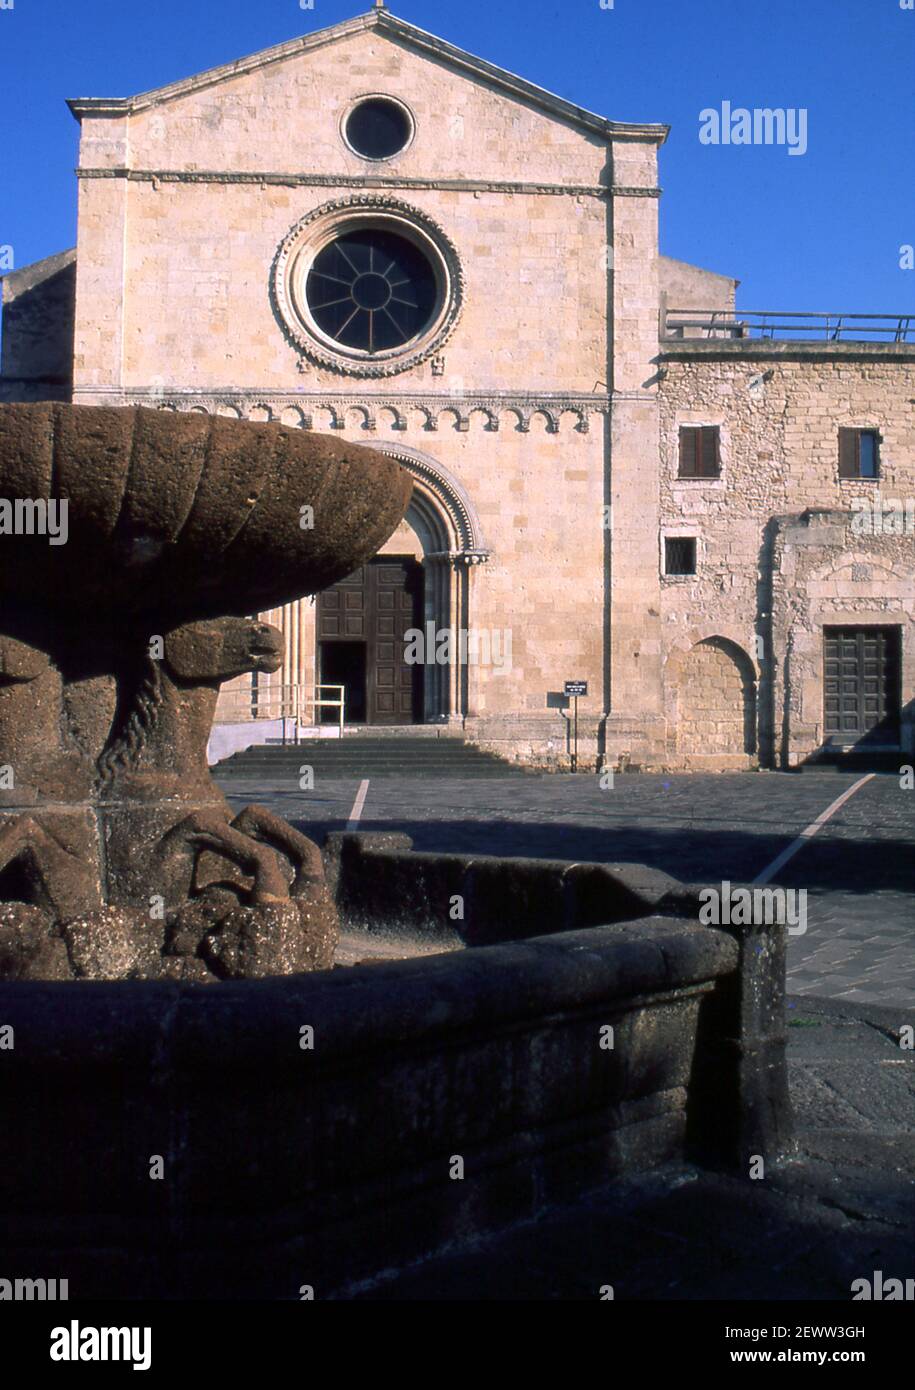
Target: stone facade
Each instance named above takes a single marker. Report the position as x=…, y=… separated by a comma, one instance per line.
x=782, y=554
x=539, y=416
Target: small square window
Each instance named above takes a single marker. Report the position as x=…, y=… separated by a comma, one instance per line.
x=859, y=453
x=700, y=452
x=679, y=554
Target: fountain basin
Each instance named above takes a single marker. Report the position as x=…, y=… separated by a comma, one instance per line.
x=433, y=1100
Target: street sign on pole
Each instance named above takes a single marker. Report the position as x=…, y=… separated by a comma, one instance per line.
x=574, y=689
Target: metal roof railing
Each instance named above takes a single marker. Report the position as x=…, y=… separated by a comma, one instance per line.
x=832, y=328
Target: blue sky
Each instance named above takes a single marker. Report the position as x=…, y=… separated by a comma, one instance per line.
x=815, y=232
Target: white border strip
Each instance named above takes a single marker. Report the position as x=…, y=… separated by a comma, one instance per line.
x=810, y=831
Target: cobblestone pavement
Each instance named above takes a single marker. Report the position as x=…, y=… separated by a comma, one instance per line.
x=858, y=871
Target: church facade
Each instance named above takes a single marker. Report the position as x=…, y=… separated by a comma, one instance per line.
x=369, y=231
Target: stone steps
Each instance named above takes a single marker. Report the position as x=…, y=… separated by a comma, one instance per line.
x=364, y=757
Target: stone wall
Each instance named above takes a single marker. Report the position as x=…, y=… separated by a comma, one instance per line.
x=36, y=361
x=685, y=286
x=825, y=574
x=194, y=231
x=767, y=573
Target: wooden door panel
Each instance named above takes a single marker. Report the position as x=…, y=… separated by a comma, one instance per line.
x=395, y=608
x=861, y=684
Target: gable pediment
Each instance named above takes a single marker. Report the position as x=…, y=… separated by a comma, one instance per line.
x=379, y=22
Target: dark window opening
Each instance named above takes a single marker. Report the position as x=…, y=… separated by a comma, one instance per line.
x=679, y=554
x=700, y=455
x=378, y=129
x=859, y=453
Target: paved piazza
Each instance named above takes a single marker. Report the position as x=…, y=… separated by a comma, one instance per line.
x=858, y=870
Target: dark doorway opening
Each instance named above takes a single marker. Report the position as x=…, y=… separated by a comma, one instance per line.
x=861, y=686
x=344, y=663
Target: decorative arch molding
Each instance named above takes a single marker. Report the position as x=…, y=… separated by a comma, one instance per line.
x=442, y=504
x=446, y=523
x=429, y=524
x=872, y=559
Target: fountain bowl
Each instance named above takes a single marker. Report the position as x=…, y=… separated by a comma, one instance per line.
x=182, y=515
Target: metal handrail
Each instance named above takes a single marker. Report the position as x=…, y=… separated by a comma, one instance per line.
x=258, y=702
x=293, y=701
x=833, y=327
x=340, y=704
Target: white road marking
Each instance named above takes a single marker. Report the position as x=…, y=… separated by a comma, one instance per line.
x=810, y=831
x=356, y=812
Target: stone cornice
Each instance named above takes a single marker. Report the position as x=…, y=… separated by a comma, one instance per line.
x=643, y=397
x=363, y=182
x=775, y=349
x=260, y=404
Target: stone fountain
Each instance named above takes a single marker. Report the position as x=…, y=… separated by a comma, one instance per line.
x=119, y=857
x=192, y=1103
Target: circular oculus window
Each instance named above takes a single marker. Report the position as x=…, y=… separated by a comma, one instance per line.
x=368, y=286
x=378, y=128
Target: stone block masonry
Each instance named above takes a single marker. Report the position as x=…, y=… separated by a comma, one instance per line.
x=539, y=419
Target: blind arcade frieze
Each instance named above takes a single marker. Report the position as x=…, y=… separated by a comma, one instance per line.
x=379, y=412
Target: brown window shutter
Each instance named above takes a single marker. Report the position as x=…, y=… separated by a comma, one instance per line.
x=711, y=462
x=848, y=453
x=688, y=451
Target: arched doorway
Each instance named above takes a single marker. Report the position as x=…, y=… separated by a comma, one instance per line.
x=440, y=537
x=714, y=701
x=449, y=545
